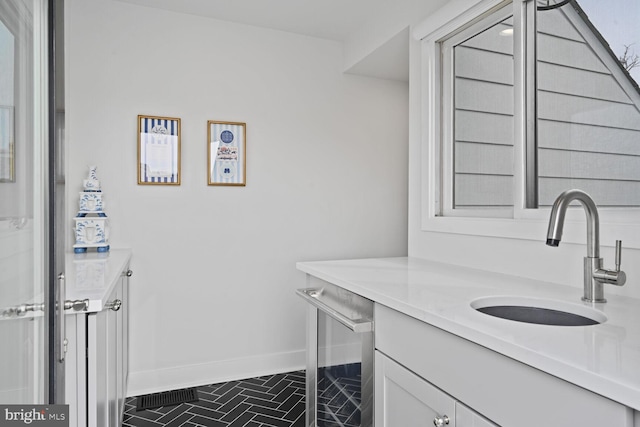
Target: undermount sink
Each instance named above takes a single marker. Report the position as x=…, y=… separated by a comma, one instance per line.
x=539, y=311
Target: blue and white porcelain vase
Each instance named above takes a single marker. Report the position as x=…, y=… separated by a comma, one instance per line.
x=91, y=224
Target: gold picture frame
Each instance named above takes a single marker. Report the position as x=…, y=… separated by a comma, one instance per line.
x=158, y=150
x=226, y=153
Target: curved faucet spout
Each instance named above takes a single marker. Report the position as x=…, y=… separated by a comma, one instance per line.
x=594, y=274
x=556, y=221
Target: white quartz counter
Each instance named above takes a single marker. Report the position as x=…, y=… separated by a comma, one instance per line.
x=93, y=276
x=603, y=358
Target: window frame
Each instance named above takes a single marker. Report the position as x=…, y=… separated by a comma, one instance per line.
x=520, y=222
x=447, y=53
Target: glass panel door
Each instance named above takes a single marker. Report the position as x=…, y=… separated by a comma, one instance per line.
x=339, y=374
x=23, y=196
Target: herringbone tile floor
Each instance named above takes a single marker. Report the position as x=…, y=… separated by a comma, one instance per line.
x=269, y=401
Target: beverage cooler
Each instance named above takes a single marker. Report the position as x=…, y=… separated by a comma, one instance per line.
x=340, y=352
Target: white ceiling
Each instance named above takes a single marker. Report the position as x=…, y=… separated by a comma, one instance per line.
x=328, y=19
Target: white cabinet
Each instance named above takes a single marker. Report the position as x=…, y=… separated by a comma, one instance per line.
x=405, y=399
x=107, y=356
x=465, y=417
x=97, y=360
x=503, y=390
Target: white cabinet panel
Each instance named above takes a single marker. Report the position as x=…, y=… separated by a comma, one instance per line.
x=123, y=342
x=404, y=399
x=98, y=357
x=508, y=392
x=102, y=340
x=104, y=354
x=466, y=417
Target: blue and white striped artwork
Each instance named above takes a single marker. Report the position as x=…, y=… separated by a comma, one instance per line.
x=227, y=151
x=159, y=150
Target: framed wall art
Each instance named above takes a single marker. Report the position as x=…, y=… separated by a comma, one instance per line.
x=7, y=145
x=158, y=150
x=226, y=153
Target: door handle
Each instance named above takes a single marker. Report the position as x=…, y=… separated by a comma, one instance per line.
x=76, y=305
x=62, y=330
x=21, y=310
x=355, y=325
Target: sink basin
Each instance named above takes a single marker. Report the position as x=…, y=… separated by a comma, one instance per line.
x=539, y=311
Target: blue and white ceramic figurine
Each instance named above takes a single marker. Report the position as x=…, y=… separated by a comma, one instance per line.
x=91, y=229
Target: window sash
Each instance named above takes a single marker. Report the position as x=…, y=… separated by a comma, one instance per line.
x=519, y=222
x=447, y=53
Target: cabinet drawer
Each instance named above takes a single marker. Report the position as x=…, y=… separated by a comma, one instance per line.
x=502, y=389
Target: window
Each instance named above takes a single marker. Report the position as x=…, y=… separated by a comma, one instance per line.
x=588, y=106
x=478, y=72
x=526, y=99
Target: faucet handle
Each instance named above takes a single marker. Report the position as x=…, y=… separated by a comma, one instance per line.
x=613, y=277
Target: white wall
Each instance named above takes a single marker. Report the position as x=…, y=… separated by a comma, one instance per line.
x=385, y=24
x=212, y=294
x=524, y=258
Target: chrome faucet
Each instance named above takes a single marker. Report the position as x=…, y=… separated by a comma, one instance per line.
x=594, y=275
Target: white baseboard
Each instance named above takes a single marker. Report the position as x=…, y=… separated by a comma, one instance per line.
x=145, y=382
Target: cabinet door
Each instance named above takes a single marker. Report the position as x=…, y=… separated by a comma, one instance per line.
x=404, y=399
x=113, y=349
x=75, y=373
x=104, y=332
x=466, y=417
x=123, y=342
x=101, y=361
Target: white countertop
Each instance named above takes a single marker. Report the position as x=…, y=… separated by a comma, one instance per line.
x=93, y=276
x=604, y=358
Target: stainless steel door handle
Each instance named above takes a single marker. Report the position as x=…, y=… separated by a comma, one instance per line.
x=62, y=339
x=23, y=309
x=355, y=325
x=61, y=306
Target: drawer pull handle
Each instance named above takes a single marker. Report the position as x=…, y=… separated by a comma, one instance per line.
x=441, y=421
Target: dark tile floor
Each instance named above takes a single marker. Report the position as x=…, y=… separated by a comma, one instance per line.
x=339, y=396
x=273, y=401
